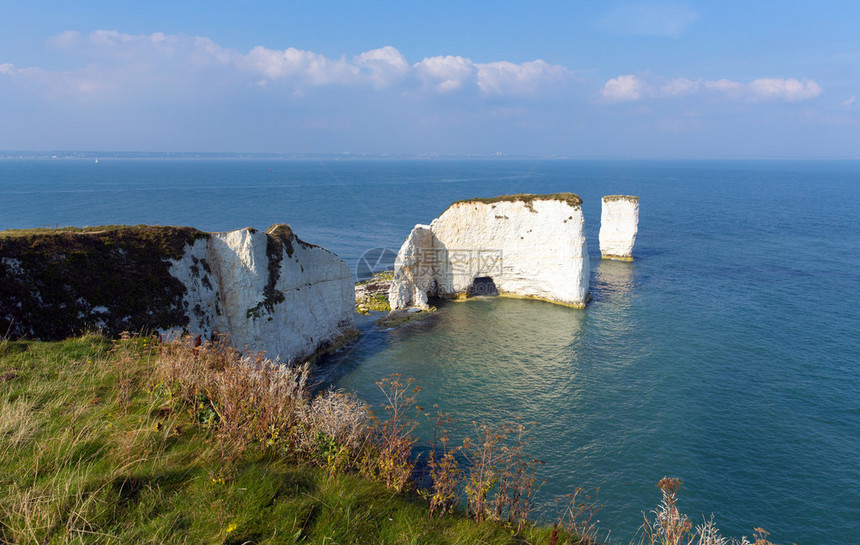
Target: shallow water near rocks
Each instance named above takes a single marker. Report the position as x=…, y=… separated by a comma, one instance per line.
x=725, y=355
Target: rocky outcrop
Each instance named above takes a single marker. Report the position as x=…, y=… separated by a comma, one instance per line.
x=268, y=291
x=619, y=223
x=372, y=294
x=520, y=245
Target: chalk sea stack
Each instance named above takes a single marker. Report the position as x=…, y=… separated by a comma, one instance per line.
x=520, y=245
x=619, y=223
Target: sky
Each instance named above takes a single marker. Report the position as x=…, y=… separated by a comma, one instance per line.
x=604, y=80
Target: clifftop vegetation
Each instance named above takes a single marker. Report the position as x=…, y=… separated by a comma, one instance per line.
x=528, y=198
x=631, y=198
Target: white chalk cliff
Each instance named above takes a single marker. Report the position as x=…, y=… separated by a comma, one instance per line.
x=619, y=223
x=529, y=245
x=267, y=291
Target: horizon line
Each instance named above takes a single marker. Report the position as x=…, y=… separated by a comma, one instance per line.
x=131, y=154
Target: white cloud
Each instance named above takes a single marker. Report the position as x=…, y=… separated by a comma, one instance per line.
x=109, y=38
x=526, y=78
x=207, y=52
x=790, y=90
x=729, y=88
x=845, y=103
x=111, y=43
x=680, y=87
x=444, y=73
x=66, y=39
x=623, y=89
x=630, y=88
x=83, y=83
x=662, y=19
x=383, y=66
x=306, y=66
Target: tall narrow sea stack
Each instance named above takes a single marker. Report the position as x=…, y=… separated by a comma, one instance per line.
x=619, y=223
x=522, y=245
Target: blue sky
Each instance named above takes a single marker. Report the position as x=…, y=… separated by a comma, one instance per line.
x=592, y=80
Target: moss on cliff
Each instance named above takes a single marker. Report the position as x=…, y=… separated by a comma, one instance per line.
x=58, y=282
x=572, y=199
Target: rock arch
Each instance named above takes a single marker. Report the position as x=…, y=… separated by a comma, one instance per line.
x=530, y=245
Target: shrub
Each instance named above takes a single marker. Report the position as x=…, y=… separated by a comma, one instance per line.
x=443, y=469
x=671, y=527
x=336, y=430
x=395, y=463
x=501, y=482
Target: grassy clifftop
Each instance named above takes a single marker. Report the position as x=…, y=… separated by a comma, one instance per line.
x=101, y=444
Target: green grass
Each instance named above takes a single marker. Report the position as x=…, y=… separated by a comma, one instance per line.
x=610, y=198
x=94, y=450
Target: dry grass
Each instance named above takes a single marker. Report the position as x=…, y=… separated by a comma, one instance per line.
x=669, y=526
x=250, y=402
x=17, y=424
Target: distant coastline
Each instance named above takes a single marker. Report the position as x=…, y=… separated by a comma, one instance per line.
x=497, y=156
x=66, y=154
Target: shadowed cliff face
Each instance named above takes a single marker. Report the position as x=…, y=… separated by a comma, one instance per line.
x=57, y=283
x=268, y=292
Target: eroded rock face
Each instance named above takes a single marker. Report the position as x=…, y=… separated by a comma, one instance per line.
x=268, y=291
x=280, y=294
x=414, y=270
x=619, y=223
x=529, y=245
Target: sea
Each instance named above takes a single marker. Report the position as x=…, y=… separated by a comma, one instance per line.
x=727, y=354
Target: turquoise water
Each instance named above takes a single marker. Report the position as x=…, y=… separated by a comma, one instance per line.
x=726, y=355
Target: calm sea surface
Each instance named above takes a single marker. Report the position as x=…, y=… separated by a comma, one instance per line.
x=727, y=354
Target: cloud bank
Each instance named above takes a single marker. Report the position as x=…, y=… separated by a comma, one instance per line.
x=114, y=58
x=629, y=88
x=112, y=90
x=115, y=63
